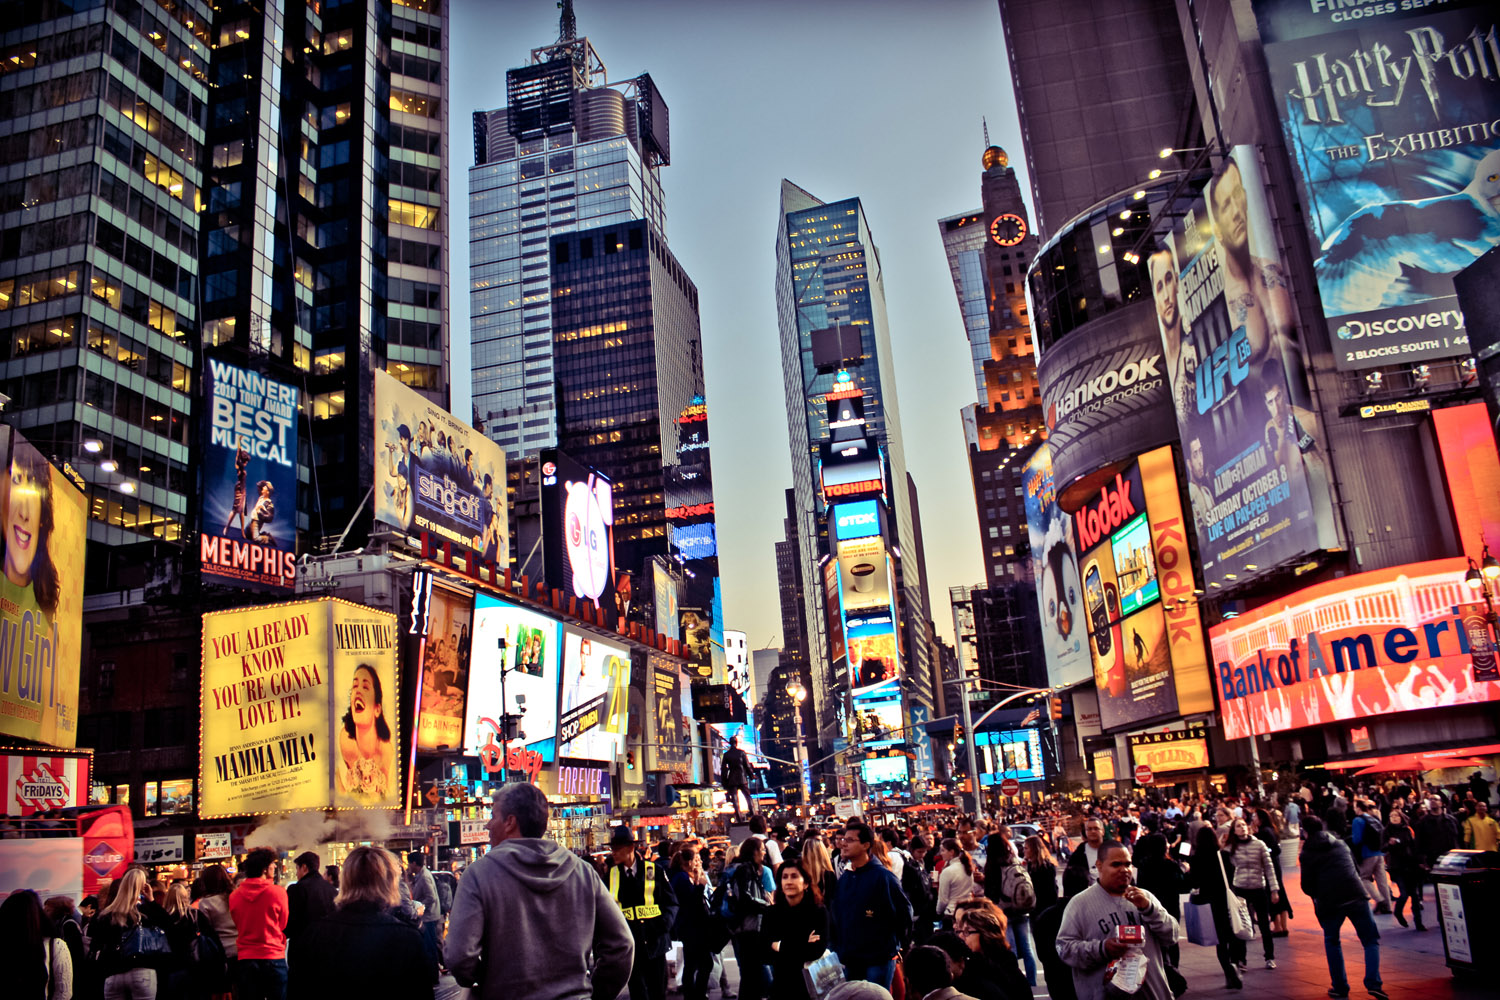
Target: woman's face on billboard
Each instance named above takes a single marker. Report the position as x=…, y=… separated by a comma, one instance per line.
x=23, y=517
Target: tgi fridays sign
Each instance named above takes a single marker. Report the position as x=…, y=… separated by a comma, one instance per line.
x=37, y=783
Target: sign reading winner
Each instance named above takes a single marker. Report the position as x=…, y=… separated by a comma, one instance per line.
x=435, y=473
x=249, y=514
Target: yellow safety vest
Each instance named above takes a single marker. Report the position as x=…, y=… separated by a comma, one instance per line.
x=646, y=910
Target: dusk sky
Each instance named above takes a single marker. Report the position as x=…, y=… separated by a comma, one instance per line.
x=881, y=100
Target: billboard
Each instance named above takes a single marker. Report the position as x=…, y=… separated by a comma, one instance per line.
x=872, y=659
x=664, y=598
x=1471, y=467
x=673, y=745
x=1174, y=564
x=531, y=657
x=436, y=473
x=249, y=457
x=1014, y=753
x=298, y=709
x=1054, y=564
x=595, y=685
x=1389, y=119
x=1171, y=749
x=864, y=582
x=445, y=670
x=41, y=599
x=1369, y=644
x=835, y=614
x=888, y=766
x=860, y=519
x=41, y=781
x=1256, y=458
x=877, y=712
x=578, y=535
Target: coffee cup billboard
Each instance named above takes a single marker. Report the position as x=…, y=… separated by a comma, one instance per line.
x=862, y=575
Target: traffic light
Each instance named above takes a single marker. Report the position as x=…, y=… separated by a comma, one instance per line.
x=630, y=760
x=1056, y=709
x=958, y=735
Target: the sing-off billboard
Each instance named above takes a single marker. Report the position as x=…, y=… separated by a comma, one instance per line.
x=1392, y=117
x=1391, y=640
x=248, y=512
x=1256, y=456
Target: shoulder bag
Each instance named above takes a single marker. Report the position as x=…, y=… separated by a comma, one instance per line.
x=1239, y=909
x=144, y=946
x=822, y=974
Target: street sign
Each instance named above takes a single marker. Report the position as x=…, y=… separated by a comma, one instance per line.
x=1010, y=786
x=1143, y=775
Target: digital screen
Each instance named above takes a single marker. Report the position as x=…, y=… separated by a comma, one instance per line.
x=856, y=520
x=578, y=527
x=878, y=714
x=695, y=541
x=1135, y=568
x=883, y=769
x=595, y=705
x=531, y=655
x=1009, y=754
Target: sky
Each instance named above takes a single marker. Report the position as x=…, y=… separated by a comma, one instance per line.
x=877, y=99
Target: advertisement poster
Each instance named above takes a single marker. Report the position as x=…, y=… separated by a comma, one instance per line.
x=1014, y=753
x=595, y=682
x=919, y=741
x=834, y=611
x=43, y=781
x=1368, y=644
x=436, y=473
x=673, y=748
x=1390, y=121
x=41, y=599
x=665, y=600
x=872, y=659
x=212, y=846
x=52, y=866
x=877, y=712
x=531, y=657
x=1179, y=589
x=1257, y=472
x=578, y=535
x=298, y=709
x=1471, y=466
x=249, y=458
x=445, y=670
x=1172, y=749
x=1476, y=623
x=1054, y=563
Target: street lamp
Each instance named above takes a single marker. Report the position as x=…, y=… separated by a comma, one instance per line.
x=1481, y=577
x=798, y=694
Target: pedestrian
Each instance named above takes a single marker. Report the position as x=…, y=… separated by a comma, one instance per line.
x=773, y=849
x=1042, y=867
x=529, y=914
x=37, y=962
x=956, y=880
x=1331, y=880
x=129, y=960
x=749, y=891
x=970, y=971
x=981, y=925
x=795, y=931
x=1207, y=876
x=213, y=905
x=871, y=915
x=1162, y=877
x=641, y=889
x=260, y=910
x=1082, y=870
x=929, y=976
x=361, y=949
x=818, y=864
x=693, y=926
x=1404, y=865
x=1255, y=882
x=1268, y=831
x=1368, y=840
x=1089, y=938
x=1008, y=884
x=309, y=899
x=424, y=890
x=1481, y=832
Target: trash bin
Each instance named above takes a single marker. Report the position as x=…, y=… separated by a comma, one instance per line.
x=1466, y=884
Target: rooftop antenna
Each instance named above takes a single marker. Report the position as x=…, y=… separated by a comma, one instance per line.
x=985, y=123
x=567, y=24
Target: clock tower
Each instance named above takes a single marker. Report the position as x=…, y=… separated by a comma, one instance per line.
x=1011, y=411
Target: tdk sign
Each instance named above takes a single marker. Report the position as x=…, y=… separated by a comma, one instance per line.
x=856, y=520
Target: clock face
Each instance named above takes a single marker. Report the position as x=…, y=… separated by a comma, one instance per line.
x=1008, y=230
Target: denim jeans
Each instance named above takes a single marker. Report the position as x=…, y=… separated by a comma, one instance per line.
x=1020, y=936
x=881, y=974
x=261, y=979
x=1358, y=913
x=137, y=984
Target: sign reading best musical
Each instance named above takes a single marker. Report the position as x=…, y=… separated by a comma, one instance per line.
x=1370, y=644
x=298, y=709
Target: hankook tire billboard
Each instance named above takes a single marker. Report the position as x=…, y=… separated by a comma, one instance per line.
x=1104, y=393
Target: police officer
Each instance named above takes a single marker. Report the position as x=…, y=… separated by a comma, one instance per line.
x=645, y=897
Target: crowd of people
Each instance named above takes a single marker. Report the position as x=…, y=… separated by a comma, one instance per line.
x=947, y=906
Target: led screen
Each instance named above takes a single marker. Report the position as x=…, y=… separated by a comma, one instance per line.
x=1009, y=754
x=596, y=679
x=1135, y=569
x=531, y=654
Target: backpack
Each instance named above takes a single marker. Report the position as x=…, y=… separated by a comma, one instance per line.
x=915, y=887
x=1015, y=885
x=444, y=890
x=210, y=965
x=1369, y=837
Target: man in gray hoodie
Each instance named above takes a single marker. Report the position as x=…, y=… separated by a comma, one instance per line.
x=1090, y=936
x=527, y=915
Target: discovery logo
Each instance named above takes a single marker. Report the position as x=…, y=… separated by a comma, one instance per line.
x=1424, y=331
x=1355, y=329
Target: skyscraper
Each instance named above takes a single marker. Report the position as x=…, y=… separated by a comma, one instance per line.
x=569, y=151
x=830, y=290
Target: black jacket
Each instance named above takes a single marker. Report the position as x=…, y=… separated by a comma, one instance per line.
x=1207, y=878
x=1044, y=881
x=653, y=936
x=360, y=950
x=1163, y=879
x=1000, y=967
x=1401, y=854
x=691, y=926
x=308, y=900
x=791, y=926
x=1044, y=927
x=106, y=937
x=1076, y=875
x=1437, y=834
x=1328, y=873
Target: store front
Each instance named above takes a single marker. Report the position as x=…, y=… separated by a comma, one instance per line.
x=583, y=800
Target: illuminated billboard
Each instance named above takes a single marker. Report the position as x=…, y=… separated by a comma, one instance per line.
x=436, y=473
x=877, y=711
x=1471, y=466
x=1054, y=563
x=531, y=657
x=864, y=578
x=445, y=670
x=249, y=458
x=694, y=541
x=1011, y=753
x=298, y=709
x=1389, y=119
x=595, y=686
x=664, y=598
x=887, y=763
x=860, y=519
x=1135, y=567
x=1255, y=448
x=835, y=613
x=578, y=535
x=1171, y=749
x=872, y=659
x=41, y=599
x=1368, y=644
x=672, y=748
x=42, y=780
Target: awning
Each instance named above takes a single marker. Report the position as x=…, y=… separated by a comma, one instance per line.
x=1430, y=760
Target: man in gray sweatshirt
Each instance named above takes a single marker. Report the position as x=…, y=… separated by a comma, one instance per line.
x=527, y=915
x=1088, y=939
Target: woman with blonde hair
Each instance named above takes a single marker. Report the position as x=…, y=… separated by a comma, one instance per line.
x=129, y=942
x=819, y=865
x=362, y=949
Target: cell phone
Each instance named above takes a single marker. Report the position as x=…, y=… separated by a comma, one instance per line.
x=1185, y=849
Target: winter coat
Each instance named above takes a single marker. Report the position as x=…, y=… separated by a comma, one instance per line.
x=1437, y=834
x=1252, y=866
x=691, y=927
x=1401, y=853
x=1329, y=876
x=216, y=909
x=525, y=919
x=106, y=938
x=1163, y=879
x=791, y=926
x=360, y=950
x=309, y=899
x=1044, y=881
x=871, y=915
